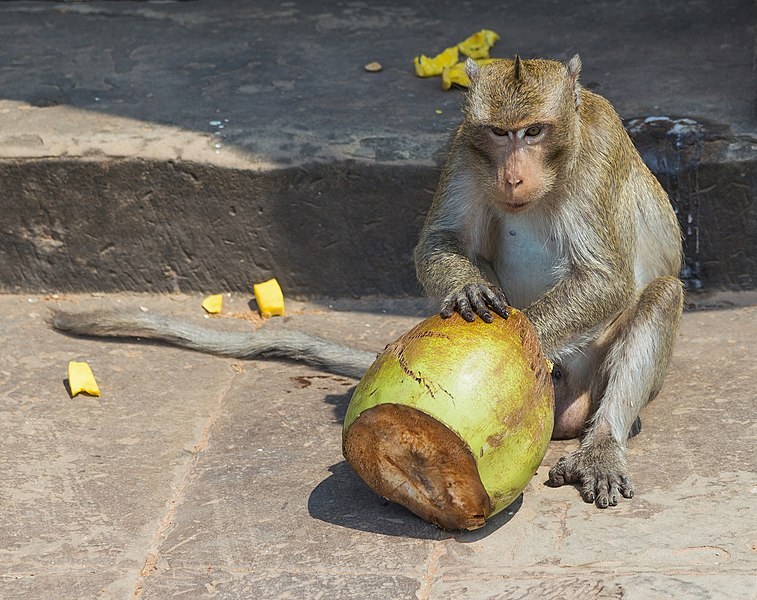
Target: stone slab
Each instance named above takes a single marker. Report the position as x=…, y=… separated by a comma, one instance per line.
x=202, y=476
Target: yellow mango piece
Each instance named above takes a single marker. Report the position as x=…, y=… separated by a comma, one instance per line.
x=479, y=44
x=270, y=298
x=456, y=74
x=80, y=379
x=430, y=67
x=213, y=304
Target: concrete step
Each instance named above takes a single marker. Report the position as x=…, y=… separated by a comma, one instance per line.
x=179, y=146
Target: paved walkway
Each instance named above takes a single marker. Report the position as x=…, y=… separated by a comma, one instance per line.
x=195, y=476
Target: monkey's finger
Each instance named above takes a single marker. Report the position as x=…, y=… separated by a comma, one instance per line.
x=479, y=306
x=447, y=309
x=464, y=308
x=497, y=300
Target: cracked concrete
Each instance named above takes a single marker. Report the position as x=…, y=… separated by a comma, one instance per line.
x=209, y=477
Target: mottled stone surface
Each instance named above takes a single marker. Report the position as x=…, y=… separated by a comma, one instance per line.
x=196, y=476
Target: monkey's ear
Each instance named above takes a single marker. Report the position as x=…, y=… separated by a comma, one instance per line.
x=472, y=70
x=518, y=66
x=574, y=66
x=574, y=69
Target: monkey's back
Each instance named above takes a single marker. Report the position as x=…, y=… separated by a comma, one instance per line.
x=651, y=226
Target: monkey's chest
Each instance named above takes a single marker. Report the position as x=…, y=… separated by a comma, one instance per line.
x=525, y=263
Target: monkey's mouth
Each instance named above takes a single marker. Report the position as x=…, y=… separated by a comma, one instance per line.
x=517, y=205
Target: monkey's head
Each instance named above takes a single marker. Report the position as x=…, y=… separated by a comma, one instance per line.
x=521, y=118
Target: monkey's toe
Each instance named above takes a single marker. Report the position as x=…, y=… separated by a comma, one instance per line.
x=563, y=472
x=626, y=487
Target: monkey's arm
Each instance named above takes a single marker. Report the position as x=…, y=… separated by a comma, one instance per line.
x=294, y=345
x=445, y=272
x=442, y=257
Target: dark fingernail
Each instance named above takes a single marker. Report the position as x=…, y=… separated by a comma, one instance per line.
x=487, y=317
x=469, y=316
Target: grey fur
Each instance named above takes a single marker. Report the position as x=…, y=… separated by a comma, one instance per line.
x=293, y=345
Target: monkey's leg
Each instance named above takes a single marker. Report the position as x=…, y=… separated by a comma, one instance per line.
x=572, y=380
x=638, y=348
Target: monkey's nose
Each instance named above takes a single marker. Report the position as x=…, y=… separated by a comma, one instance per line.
x=514, y=180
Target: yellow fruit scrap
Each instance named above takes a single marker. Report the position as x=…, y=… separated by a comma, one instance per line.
x=270, y=298
x=448, y=65
x=430, y=67
x=456, y=74
x=479, y=44
x=80, y=379
x=213, y=304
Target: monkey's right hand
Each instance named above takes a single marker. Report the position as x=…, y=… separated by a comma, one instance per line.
x=476, y=299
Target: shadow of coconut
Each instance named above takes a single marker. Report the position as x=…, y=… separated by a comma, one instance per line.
x=344, y=500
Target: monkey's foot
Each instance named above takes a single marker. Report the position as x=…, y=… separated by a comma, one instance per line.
x=599, y=466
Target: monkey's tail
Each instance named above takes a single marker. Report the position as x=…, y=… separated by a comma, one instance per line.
x=293, y=345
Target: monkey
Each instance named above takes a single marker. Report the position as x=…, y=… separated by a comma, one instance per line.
x=544, y=205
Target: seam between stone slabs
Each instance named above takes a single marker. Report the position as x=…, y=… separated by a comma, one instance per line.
x=578, y=572
x=517, y=574
x=169, y=518
x=294, y=570
x=427, y=578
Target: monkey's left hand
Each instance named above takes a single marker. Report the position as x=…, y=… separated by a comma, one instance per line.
x=476, y=299
x=599, y=466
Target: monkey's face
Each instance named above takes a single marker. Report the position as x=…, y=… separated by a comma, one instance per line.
x=520, y=174
x=520, y=118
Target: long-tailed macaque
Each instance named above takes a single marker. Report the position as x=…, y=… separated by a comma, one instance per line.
x=545, y=205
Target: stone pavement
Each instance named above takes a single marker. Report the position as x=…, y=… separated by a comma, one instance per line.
x=202, y=477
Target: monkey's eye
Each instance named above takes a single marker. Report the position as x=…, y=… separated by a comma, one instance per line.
x=498, y=131
x=533, y=131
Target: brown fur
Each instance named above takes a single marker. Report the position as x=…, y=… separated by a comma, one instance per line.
x=569, y=225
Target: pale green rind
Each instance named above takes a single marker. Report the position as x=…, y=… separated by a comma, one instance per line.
x=464, y=379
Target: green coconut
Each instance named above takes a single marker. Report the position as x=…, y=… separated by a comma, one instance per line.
x=453, y=419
